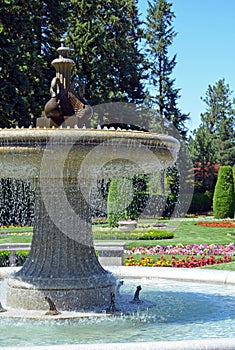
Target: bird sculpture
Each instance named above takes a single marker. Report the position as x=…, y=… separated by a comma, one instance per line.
x=65, y=104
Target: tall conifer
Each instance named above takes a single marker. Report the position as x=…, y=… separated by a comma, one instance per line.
x=105, y=36
x=29, y=34
x=163, y=93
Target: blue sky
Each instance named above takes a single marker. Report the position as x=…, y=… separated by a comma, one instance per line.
x=205, y=49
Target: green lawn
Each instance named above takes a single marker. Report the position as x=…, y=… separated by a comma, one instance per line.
x=185, y=232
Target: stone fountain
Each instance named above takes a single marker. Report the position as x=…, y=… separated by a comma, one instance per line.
x=63, y=160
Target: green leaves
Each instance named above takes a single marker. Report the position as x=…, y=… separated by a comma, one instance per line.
x=29, y=34
x=159, y=35
x=105, y=36
x=214, y=139
x=224, y=199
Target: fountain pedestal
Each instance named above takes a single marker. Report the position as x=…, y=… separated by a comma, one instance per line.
x=62, y=265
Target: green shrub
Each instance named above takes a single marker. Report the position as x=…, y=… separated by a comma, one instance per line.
x=156, y=234
x=126, y=199
x=112, y=212
x=4, y=258
x=201, y=203
x=223, y=200
x=21, y=256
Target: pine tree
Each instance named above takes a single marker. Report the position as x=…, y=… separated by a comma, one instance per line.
x=213, y=141
x=223, y=200
x=29, y=33
x=219, y=123
x=159, y=37
x=163, y=93
x=104, y=36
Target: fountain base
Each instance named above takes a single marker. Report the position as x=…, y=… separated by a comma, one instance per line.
x=77, y=294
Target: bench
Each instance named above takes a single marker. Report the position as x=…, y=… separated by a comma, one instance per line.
x=109, y=253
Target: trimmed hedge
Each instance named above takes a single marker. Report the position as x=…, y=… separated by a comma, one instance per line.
x=4, y=258
x=21, y=256
x=156, y=234
x=126, y=199
x=201, y=203
x=223, y=200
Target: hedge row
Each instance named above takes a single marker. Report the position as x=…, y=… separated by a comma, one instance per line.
x=21, y=256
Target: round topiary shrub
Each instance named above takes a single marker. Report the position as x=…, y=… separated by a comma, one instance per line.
x=223, y=200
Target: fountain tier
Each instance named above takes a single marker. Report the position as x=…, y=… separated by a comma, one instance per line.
x=63, y=165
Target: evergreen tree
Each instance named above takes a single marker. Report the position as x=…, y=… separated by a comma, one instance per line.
x=201, y=146
x=213, y=141
x=159, y=37
x=164, y=95
x=219, y=123
x=203, y=157
x=223, y=200
x=126, y=199
x=29, y=33
x=105, y=36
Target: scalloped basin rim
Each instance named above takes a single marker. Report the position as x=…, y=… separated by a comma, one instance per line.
x=85, y=134
x=22, y=151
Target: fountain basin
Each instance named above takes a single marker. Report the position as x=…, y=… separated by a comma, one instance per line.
x=205, y=306
x=63, y=165
x=114, y=153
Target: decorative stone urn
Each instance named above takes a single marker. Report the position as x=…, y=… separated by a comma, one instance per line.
x=127, y=225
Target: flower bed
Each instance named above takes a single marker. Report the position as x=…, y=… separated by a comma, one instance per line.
x=186, y=262
x=194, y=255
x=223, y=223
x=190, y=249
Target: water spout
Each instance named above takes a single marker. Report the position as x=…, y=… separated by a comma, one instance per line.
x=136, y=298
x=2, y=308
x=52, y=308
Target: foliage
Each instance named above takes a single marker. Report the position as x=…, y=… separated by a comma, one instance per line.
x=201, y=146
x=21, y=256
x=4, y=258
x=213, y=140
x=187, y=232
x=112, y=210
x=126, y=199
x=163, y=95
x=223, y=223
x=223, y=200
x=201, y=203
x=172, y=176
x=205, y=176
x=186, y=262
x=159, y=37
x=181, y=249
x=105, y=38
x=156, y=234
x=220, y=120
x=194, y=255
x=29, y=32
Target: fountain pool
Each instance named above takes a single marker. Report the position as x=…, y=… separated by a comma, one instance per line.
x=183, y=311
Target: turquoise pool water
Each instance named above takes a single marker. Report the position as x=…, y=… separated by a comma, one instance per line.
x=182, y=311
